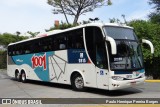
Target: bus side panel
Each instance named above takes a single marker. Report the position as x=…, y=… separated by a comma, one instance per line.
x=35, y=65
x=12, y=67
x=86, y=70
x=63, y=63
x=79, y=62
x=58, y=67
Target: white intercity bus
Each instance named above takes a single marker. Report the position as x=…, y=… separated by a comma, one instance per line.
x=104, y=56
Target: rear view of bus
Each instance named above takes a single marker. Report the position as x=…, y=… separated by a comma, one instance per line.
x=125, y=57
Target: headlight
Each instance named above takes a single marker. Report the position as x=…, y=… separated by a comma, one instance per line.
x=143, y=75
x=117, y=78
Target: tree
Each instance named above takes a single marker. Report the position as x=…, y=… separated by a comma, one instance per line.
x=76, y=8
x=156, y=3
x=150, y=31
x=18, y=33
x=7, y=38
x=33, y=34
x=155, y=16
x=61, y=27
x=114, y=20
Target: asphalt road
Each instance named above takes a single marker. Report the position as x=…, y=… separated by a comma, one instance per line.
x=9, y=88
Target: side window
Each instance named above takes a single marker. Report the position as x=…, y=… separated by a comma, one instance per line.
x=10, y=50
x=75, y=39
x=96, y=47
x=35, y=46
x=90, y=43
x=101, y=55
x=60, y=42
x=45, y=44
x=27, y=48
x=17, y=50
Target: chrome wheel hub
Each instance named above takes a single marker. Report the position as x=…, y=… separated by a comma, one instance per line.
x=79, y=82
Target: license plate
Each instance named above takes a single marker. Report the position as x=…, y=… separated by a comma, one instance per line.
x=133, y=83
x=129, y=76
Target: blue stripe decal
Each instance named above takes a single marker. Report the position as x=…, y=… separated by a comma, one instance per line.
x=39, y=62
x=77, y=56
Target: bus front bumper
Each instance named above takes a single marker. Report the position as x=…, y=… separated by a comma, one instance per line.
x=115, y=84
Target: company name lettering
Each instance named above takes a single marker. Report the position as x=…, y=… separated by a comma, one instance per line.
x=39, y=61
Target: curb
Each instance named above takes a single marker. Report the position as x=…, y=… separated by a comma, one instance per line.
x=152, y=80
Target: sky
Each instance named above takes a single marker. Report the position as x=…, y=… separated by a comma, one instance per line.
x=36, y=15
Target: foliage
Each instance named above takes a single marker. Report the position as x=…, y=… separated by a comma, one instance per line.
x=61, y=27
x=76, y=8
x=7, y=38
x=156, y=3
x=114, y=20
x=33, y=34
x=150, y=31
x=3, y=59
x=155, y=16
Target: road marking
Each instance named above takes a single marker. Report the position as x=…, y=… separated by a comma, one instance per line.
x=125, y=105
x=152, y=80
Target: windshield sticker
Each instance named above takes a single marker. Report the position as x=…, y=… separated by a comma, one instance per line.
x=118, y=59
x=101, y=72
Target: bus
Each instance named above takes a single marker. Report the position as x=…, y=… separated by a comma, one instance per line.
x=97, y=55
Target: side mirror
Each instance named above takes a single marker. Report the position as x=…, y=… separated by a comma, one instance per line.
x=150, y=44
x=113, y=45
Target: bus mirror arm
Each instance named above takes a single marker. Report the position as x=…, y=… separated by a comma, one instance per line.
x=113, y=45
x=150, y=44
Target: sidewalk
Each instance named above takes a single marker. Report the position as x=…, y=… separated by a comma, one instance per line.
x=152, y=80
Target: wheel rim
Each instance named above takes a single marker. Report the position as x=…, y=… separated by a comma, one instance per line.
x=79, y=82
x=23, y=77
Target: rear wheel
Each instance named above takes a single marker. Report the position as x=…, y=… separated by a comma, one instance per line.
x=77, y=82
x=17, y=76
x=23, y=77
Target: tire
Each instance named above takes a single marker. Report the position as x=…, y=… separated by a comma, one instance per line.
x=77, y=83
x=17, y=76
x=23, y=77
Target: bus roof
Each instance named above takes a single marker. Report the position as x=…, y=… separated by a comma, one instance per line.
x=72, y=28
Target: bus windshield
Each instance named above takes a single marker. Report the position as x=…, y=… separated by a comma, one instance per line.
x=129, y=53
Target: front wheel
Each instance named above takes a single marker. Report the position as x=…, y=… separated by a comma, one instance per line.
x=78, y=82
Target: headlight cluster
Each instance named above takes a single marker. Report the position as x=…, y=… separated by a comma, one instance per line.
x=143, y=75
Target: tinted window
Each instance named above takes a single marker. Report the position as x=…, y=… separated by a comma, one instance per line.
x=96, y=47
x=68, y=40
x=120, y=33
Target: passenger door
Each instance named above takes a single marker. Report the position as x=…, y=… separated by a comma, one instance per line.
x=101, y=66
